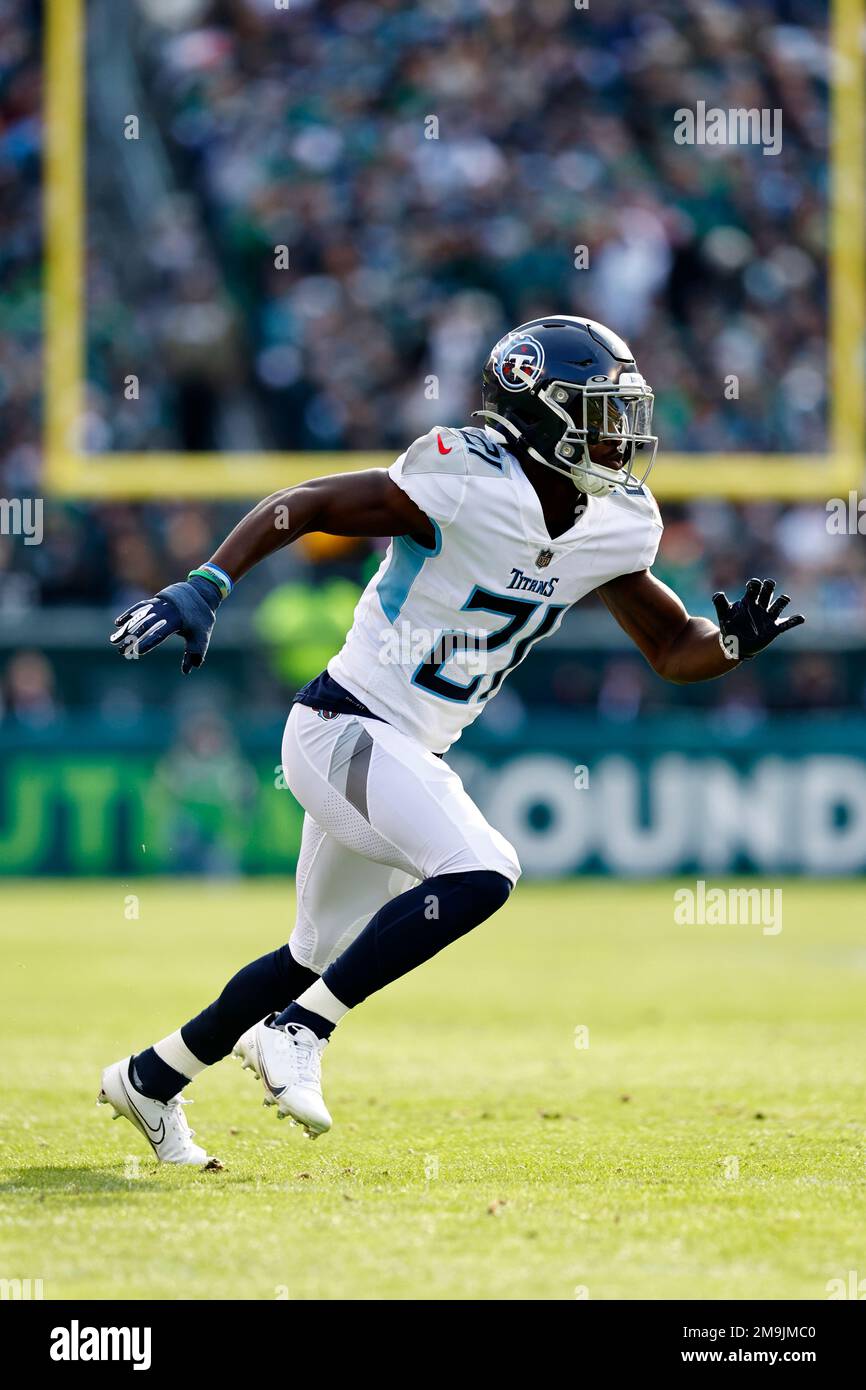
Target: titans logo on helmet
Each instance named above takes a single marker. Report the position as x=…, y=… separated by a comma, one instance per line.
x=518, y=362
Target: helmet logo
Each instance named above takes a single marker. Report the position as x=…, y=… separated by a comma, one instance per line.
x=518, y=361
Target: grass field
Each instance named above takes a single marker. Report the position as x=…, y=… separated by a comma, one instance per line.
x=710, y=1142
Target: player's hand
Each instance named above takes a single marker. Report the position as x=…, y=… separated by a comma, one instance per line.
x=751, y=623
x=188, y=608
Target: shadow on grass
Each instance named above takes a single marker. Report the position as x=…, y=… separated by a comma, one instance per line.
x=108, y=1181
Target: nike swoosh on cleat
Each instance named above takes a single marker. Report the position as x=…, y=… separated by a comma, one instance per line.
x=274, y=1090
x=442, y=448
x=148, y=1129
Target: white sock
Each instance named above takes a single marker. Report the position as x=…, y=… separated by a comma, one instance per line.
x=319, y=1000
x=174, y=1051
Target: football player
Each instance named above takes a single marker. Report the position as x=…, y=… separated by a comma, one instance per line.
x=496, y=531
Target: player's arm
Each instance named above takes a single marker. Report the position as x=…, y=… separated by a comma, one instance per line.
x=684, y=649
x=345, y=504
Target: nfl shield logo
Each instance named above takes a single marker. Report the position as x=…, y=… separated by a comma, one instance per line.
x=543, y=559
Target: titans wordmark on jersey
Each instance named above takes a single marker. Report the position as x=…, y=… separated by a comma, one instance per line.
x=437, y=630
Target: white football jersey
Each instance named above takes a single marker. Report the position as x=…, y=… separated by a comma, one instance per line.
x=436, y=631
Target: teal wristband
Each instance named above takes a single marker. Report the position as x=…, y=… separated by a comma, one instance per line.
x=216, y=576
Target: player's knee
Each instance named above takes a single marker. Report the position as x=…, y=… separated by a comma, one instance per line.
x=490, y=891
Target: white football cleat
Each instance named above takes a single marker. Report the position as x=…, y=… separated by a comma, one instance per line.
x=163, y=1123
x=245, y=1049
x=288, y=1060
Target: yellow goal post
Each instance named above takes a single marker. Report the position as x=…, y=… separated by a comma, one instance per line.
x=68, y=472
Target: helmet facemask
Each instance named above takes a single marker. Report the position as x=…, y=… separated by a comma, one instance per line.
x=610, y=419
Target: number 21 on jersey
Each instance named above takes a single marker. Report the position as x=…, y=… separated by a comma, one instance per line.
x=517, y=612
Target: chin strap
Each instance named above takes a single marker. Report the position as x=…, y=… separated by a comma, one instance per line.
x=501, y=420
x=515, y=434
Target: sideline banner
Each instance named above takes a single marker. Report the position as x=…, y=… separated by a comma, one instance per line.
x=655, y=797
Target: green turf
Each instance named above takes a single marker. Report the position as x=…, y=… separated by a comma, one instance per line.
x=708, y=1143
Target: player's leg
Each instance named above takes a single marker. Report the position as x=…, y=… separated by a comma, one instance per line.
x=335, y=899
x=146, y=1087
x=392, y=801
x=388, y=799
x=338, y=891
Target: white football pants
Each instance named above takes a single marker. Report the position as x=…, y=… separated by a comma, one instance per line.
x=382, y=813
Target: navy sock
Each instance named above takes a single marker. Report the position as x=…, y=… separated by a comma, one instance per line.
x=153, y=1077
x=258, y=989
x=295, y=1013
x=403, y=934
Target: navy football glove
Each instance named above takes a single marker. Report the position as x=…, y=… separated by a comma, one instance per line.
x=751, y=623
x=188, y=608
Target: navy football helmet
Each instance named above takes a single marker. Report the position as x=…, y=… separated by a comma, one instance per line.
x=568, y=390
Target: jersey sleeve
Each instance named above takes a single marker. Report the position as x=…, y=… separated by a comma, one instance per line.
x=433, y=472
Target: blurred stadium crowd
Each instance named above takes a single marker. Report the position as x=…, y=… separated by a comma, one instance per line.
x=408, y=255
